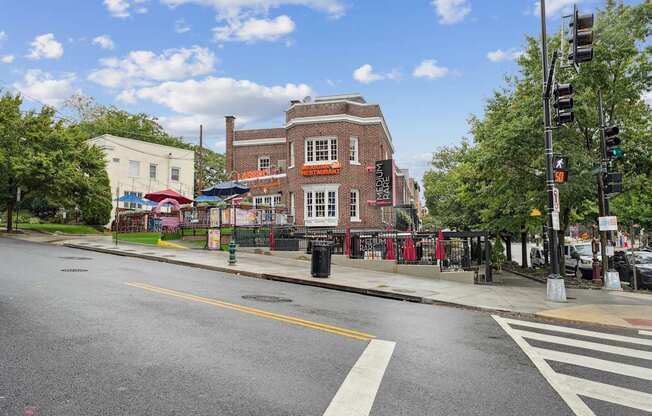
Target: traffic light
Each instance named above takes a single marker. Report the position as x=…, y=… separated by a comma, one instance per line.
x=614, y=183
x=581, y=28
x=611, y=141
x=564, y=104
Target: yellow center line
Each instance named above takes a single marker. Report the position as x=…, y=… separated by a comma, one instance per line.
x=256, y=312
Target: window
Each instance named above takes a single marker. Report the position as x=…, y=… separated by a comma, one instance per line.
x=321, y=205
x=322, y=150
x=291, y=154
x=116, y=160
x=354, y=205
x=269, y=200
x=264, y=162
x=353, y=151
x=152, y=171
x=132, y=205
x=175, y=173
x=134, y=169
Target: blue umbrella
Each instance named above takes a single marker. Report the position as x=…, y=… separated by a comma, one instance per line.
x=135, y=199
x=208, y=198
x=226, y=189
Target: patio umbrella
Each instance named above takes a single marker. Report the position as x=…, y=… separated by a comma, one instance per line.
x=227, y=188
x=409, y=252
x=440, y=251
x=208, y=198
x=168, y=194
x=390, y=248
x=134, y=199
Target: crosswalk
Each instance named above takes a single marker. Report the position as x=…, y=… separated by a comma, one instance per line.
x=604, y=355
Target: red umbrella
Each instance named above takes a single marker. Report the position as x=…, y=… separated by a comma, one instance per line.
x=409, y=252
x=390, y=248
x=441, y=249
x=347, y=242
x=168, y=193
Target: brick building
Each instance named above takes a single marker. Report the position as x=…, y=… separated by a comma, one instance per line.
x=322, y=165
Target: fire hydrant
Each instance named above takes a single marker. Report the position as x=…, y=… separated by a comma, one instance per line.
x=232, y=260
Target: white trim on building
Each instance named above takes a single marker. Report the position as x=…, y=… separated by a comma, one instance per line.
x=259, y=142
x=321, y=205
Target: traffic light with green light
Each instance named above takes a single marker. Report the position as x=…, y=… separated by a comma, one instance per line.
x=612, y=143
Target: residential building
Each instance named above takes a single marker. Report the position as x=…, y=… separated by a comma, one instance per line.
x=138, y=167
x=325, y=165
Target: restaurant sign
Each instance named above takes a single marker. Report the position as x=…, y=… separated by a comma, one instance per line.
x=325, y=169
x=385, y=182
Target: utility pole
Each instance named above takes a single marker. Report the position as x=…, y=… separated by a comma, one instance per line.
x=556, y=291
x=200, y=179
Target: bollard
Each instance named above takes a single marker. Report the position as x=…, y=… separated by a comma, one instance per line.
x=232, y=260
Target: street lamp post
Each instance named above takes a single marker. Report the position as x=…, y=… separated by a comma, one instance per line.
x=556, y=291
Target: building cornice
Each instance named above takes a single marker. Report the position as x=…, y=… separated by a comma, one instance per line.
x=336, y=118
x=260, y=142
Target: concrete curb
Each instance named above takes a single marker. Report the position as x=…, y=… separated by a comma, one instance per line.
x=315, y=283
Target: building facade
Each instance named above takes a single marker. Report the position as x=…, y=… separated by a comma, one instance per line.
x=324, y=164
x=138, y=167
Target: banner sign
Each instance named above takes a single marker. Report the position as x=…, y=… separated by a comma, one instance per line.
x=325, y=169
x=385, y=182
x=214, y=217
x=214, y=238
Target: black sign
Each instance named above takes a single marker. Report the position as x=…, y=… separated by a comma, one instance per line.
x=560, y=163
x=385, y=182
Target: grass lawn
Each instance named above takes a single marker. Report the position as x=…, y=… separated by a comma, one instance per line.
x=62, y=228
x=195, y=243
x=142, y=238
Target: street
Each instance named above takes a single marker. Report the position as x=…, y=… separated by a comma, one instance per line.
x=85, y=333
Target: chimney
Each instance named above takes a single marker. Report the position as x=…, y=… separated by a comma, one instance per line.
x=230, y=136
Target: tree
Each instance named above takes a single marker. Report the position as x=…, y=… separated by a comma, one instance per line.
x=47, y=158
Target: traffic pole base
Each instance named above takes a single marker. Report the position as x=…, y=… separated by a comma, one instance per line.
x=612, y=281
x=556, y=290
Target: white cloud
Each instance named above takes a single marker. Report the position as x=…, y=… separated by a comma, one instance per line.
x=429, y=69
x=554, y=6
x=3, y=36
x=500, y=55
x=140, y=68
x=41, y=86
x=210, y=99
x=180, y=26
x=127, y=96
x=235, y=8
x=451, y=11
x=366, y=75
x=7, y=59
x=45, y=46
x=252, y=30
x=123, y=8
x=104, y=41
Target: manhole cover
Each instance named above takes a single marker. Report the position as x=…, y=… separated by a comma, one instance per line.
x=75, y=258
x=73, y=270
x=265, y=298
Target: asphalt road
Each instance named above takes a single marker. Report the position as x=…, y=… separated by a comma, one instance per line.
x=133, y=337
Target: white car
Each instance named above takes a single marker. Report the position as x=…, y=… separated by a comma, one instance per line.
x=579, y=256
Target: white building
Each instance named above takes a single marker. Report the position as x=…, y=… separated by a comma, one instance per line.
x=138, y=167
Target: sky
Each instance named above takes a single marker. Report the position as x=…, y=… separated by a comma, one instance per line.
x=430, y=64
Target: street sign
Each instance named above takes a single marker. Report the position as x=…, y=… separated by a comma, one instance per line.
x=555, y=221
x=556, y=203
x=18, y=194
x=608, y=223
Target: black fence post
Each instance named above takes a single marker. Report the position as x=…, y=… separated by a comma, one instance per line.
x=487, y=257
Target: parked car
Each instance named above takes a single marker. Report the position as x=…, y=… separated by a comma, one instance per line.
x=579, y=257
x=643, y=262
x=537, y=257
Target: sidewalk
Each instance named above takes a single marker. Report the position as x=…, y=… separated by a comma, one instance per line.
x=515, y=295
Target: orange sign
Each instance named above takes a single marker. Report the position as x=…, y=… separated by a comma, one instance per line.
x=272, y=184
x=250, y=174
x=326, y=169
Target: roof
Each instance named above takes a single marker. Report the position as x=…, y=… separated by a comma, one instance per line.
x=353, y=96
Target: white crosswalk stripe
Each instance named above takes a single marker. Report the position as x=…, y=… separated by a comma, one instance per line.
x=571, y=387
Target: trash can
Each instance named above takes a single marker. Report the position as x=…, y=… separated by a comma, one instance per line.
x=320, y=265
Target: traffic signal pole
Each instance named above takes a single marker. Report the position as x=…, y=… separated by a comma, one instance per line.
x=602, y=195
x=556, y=291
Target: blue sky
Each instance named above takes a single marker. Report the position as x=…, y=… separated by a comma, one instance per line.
x=429, y=64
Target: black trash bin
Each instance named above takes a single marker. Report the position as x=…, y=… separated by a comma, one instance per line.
x=321, y=259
